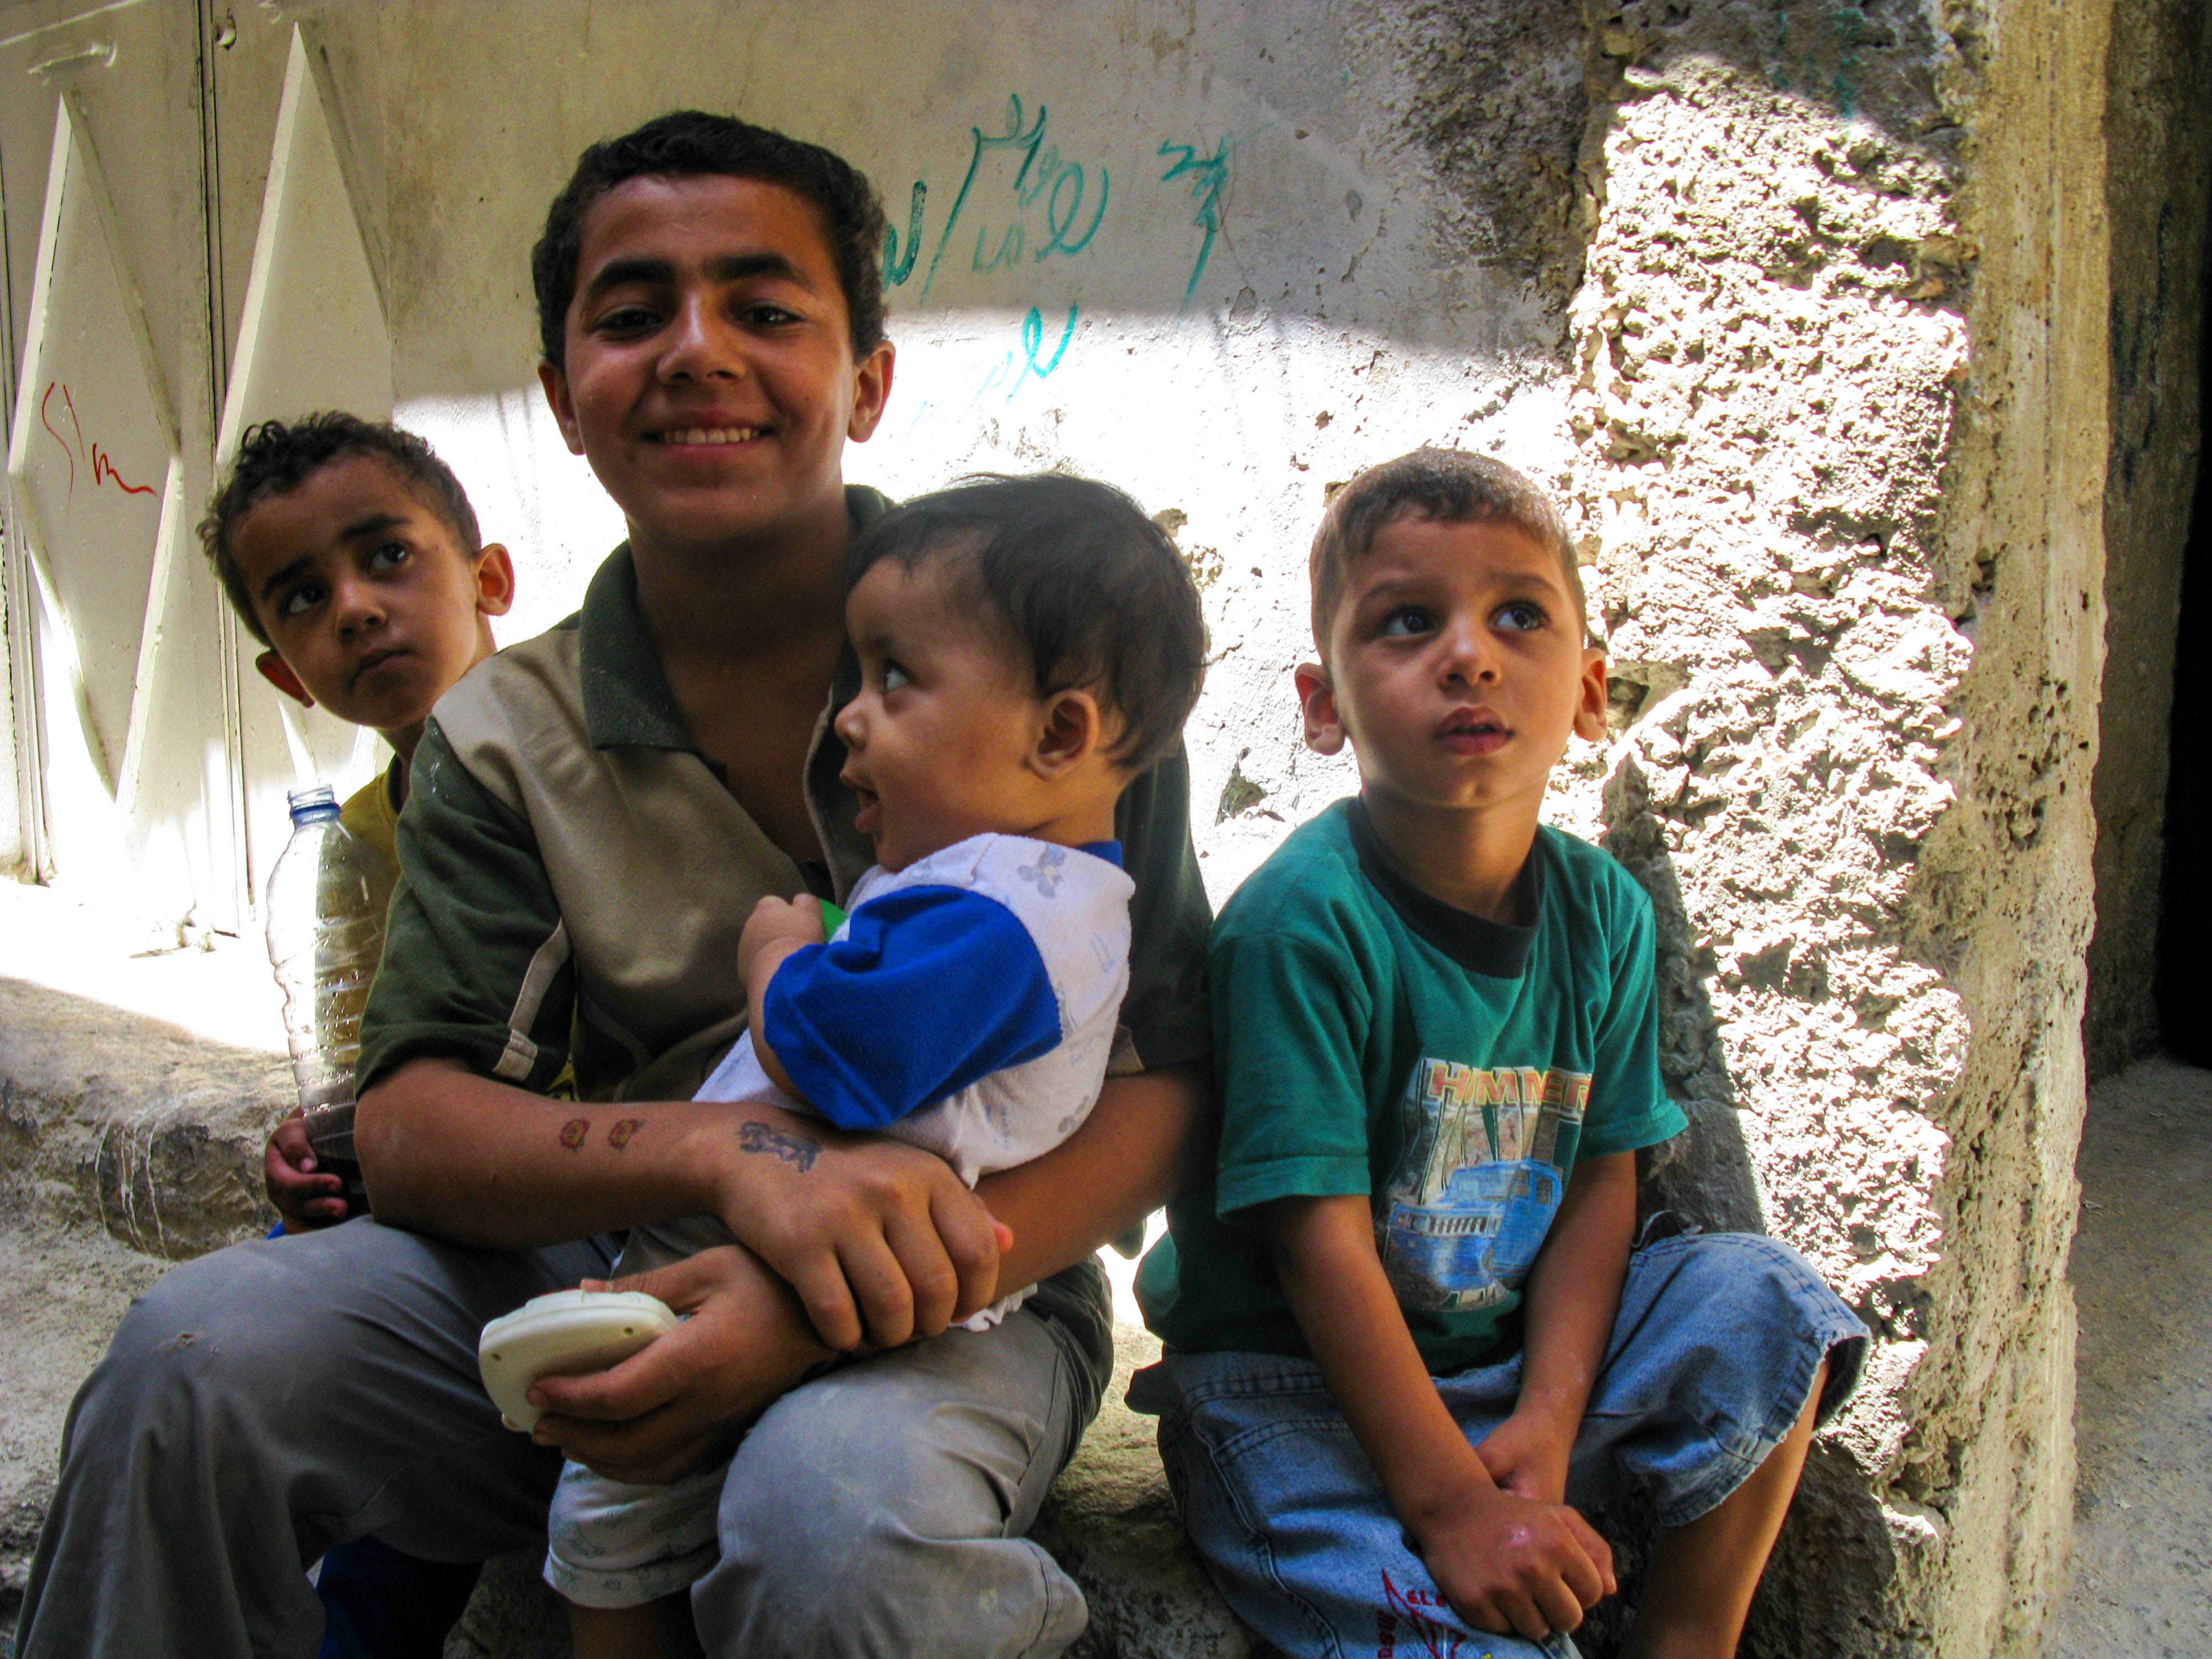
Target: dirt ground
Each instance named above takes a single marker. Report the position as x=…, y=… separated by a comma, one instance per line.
x=2142, y=1579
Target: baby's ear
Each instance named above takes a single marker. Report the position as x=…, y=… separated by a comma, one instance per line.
x=1072, y=727
x=278, y=673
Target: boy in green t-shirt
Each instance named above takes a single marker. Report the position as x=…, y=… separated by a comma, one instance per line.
x=1404, y=1323
x=351, y=552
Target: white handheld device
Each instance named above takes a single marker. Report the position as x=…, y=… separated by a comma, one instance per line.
x=563, y=1334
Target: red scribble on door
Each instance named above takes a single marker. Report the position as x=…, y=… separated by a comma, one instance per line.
x=103, y=467
x=68, y=449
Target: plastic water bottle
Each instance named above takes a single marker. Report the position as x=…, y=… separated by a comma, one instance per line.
x=327, y=896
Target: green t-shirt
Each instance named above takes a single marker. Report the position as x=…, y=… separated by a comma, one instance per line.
x=1371, y=1039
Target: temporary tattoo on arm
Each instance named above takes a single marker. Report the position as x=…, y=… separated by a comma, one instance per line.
x=791, y=1149
x=618, y=1137
x=573, y=1131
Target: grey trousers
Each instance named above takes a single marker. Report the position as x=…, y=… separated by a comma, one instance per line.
x=261, y=1404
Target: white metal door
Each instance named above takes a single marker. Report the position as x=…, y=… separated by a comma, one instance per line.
x=144, y=148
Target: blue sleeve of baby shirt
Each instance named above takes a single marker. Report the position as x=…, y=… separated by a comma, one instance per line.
x=930, y=988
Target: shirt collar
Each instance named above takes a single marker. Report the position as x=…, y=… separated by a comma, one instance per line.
x=1498, y=950
x=627, y=702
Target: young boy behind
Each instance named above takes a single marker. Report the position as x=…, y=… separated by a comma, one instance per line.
x=351, y=552
x=1407, y=1341
x=1026, y=647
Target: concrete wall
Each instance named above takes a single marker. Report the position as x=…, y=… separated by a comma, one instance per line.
x=2003, y=897
x=2159, y=150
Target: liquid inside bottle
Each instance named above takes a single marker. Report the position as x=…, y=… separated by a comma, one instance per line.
x=327, y=901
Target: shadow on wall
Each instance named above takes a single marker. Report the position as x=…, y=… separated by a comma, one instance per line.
x=1834, y=1550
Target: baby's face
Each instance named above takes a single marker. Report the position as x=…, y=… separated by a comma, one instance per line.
x=939, y=740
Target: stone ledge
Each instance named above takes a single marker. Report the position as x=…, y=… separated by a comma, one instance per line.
x=112, y=1121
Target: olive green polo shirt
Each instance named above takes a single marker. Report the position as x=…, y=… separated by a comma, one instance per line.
x=575, y=874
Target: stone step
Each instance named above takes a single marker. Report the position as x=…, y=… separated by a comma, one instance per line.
x=126, y=1142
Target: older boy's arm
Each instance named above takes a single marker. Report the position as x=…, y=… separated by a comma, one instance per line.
x=841, y=1217
x=1141, y=1145
x=1573, y=1294
x=676, y=1404
x=1504, y=1562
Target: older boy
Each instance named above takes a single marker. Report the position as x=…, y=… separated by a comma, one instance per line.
x=1028, y=648
x=351, y=552
x=1404, y=1324
x=591, y=819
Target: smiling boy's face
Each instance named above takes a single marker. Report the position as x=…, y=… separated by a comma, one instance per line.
x=708, y=374
x=372, y=605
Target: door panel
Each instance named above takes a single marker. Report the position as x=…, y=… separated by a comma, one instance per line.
x=310, y=337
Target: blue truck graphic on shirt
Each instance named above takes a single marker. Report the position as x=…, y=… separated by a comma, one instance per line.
x=1480, y=1179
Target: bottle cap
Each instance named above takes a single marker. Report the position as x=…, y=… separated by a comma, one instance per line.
x=317, y=800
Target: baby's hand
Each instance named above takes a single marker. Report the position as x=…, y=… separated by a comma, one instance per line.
x=778, y=922
x=304, y=1196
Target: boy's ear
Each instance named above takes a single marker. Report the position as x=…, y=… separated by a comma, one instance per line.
x=495, y=575
x=1592, y=697
x=871, y=390
x=1318, y=702
x=278, y=673
x=1072, y=727
x=555, y=383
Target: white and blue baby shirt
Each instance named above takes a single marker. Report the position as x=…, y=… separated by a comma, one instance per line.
x=966, y=1005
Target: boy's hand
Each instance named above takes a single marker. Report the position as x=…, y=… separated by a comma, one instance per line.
x=684, y=1398
x=880, y=1240
x=1514, y=1566
x=1527, y=1457
x=789, y=923
x=305, y=1196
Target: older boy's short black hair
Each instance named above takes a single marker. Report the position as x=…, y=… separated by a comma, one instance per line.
x=1091, y=588
x=1447, y=485
x=688, y=143
x=277, y=456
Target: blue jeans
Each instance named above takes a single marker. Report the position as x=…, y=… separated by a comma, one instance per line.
x=1712, y=1356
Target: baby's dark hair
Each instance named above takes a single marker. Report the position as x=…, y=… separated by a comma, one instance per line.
x=688, y=143
x=277, y=456
x=1447, y=485
x=1093, y=591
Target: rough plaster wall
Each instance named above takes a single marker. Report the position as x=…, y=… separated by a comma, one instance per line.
x=2158, y=132
x=1767, y=347
x=11, y=822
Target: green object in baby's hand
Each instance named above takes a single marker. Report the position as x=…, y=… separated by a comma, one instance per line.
x=832, y=918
